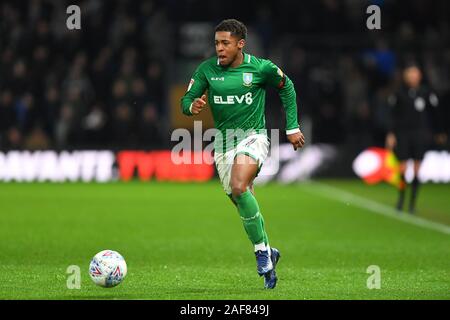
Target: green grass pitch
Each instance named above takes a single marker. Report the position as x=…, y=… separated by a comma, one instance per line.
x=186, y=241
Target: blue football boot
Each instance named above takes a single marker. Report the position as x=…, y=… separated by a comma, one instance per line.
x=263, y=262
x=270, y=278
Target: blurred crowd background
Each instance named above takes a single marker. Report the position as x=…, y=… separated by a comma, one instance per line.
x=108, y=85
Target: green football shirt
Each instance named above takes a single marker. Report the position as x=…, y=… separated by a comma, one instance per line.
x=237, y=97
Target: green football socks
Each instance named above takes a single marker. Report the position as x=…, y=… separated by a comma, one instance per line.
x=251, y=217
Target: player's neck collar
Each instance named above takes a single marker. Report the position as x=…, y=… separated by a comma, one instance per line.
x=247, y=57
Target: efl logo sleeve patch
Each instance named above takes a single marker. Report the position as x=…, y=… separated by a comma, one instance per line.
x=190, y=84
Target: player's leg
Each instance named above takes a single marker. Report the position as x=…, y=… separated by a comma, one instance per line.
x=252, y=190
x=402, y=151
x=231, y=198
x=418, y=152
x=251, y=187
x=243, y=172
x=401, y=187
x=247, y=161
x=414, y=186
x=224, y=163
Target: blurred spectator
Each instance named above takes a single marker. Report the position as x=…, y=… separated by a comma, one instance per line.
x=10, y=136
x=20, y=80
x=8, y=117
x=26, y=113
x=139, y=94
x=155, y=84
x=149, y=130
x=94, y=126
x=51, y=104
x=379, y=64
x=123, y=127
x=37, y=139
x=327, y=114
x=64, y=126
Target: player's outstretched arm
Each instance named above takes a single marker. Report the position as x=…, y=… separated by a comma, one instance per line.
x=289, y=99
x=277, y=79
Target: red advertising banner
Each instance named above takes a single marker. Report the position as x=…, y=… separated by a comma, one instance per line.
x=159, y=164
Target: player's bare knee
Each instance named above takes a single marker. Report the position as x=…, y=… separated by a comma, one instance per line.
x=238, y=189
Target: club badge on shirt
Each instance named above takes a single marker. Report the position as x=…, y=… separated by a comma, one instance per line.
x=247, y=78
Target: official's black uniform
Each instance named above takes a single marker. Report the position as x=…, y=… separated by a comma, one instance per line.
x=414, y=118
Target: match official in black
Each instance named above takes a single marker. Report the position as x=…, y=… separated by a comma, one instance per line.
x=414, y=124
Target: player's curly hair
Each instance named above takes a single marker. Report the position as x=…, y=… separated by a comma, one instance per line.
x=235, y=27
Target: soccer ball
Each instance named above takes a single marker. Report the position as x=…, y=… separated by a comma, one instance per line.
x=108, y=268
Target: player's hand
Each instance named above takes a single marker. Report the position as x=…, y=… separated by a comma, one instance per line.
x=296, y=139
x=391, y=141
x=198, y=104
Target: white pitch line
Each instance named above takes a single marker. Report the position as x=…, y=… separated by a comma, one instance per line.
x=347, y=197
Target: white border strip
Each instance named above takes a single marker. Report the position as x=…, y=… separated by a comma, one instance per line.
x=370, y=205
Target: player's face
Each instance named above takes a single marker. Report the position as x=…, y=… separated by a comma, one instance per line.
x=227, y=47
x=412, y=76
